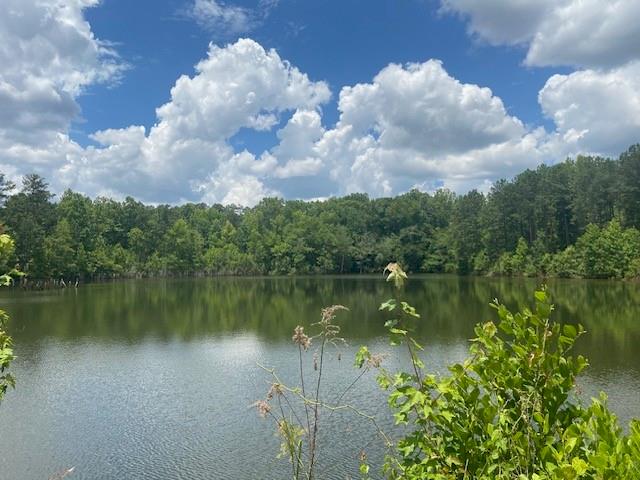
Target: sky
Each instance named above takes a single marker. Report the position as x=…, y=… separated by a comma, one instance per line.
x=174, y=101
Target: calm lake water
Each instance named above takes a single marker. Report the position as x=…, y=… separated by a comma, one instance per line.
x=153, y=379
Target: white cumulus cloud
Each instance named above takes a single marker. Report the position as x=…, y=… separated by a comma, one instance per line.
x=581, y=33
x=413, y=125
x=594, y=111
x=48, y=56
x=186, y=155
x=417, y=125
x=596, y=108
x=296, y=148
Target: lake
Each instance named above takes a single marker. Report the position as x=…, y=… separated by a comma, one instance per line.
x=154, y=379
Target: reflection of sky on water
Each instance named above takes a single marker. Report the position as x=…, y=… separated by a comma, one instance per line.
x=621, y=386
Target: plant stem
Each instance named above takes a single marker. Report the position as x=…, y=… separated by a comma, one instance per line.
x=314, y=436
x=306, y=408
x=344, y=392
x=414, y=363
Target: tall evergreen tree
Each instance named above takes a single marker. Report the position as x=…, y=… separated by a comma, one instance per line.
x=629, y=185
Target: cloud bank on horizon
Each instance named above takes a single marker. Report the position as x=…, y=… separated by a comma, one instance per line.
x=412, y=125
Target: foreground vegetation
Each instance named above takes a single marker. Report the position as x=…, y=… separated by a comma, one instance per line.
x=6, y=352
x=578, y=218
x=507, y=412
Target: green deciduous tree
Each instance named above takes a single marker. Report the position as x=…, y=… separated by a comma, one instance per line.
x=29, y=217
x=62, y=255
x=608, y=252
x=182, y=246
x=549, y=207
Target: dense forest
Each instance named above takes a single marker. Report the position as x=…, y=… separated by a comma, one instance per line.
x=577, y=218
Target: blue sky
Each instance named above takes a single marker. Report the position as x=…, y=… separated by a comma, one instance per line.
x=309, y=99
x=341, y=42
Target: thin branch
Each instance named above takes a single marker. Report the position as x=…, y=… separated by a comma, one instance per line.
x=314, y=437
x=306, y=408
x=339, y=399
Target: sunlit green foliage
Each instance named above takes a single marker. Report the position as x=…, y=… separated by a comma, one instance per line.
x=7, y=247
x=554, y=220
x=6, y=357
x=506, y=412
x=182, y=247
x=29, y=216
x=608, y=252
x=520, y=262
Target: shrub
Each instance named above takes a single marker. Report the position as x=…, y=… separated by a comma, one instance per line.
x=608, y=252
x=509, y=410
x=6, y=352
x=6, y=356
x=565, y=264
x=481, y=263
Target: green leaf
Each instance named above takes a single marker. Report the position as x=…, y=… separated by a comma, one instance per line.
x=389, y=305
x=409, y=310
x=570, y=331
x=362, y=356
x=391, y=323
x=398, y=331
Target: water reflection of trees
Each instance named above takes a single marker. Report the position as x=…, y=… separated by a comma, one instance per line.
x=271, y=307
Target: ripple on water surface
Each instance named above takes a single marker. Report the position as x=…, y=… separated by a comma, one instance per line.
x=154, y=379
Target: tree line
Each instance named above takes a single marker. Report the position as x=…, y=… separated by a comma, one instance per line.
x=576, y=218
